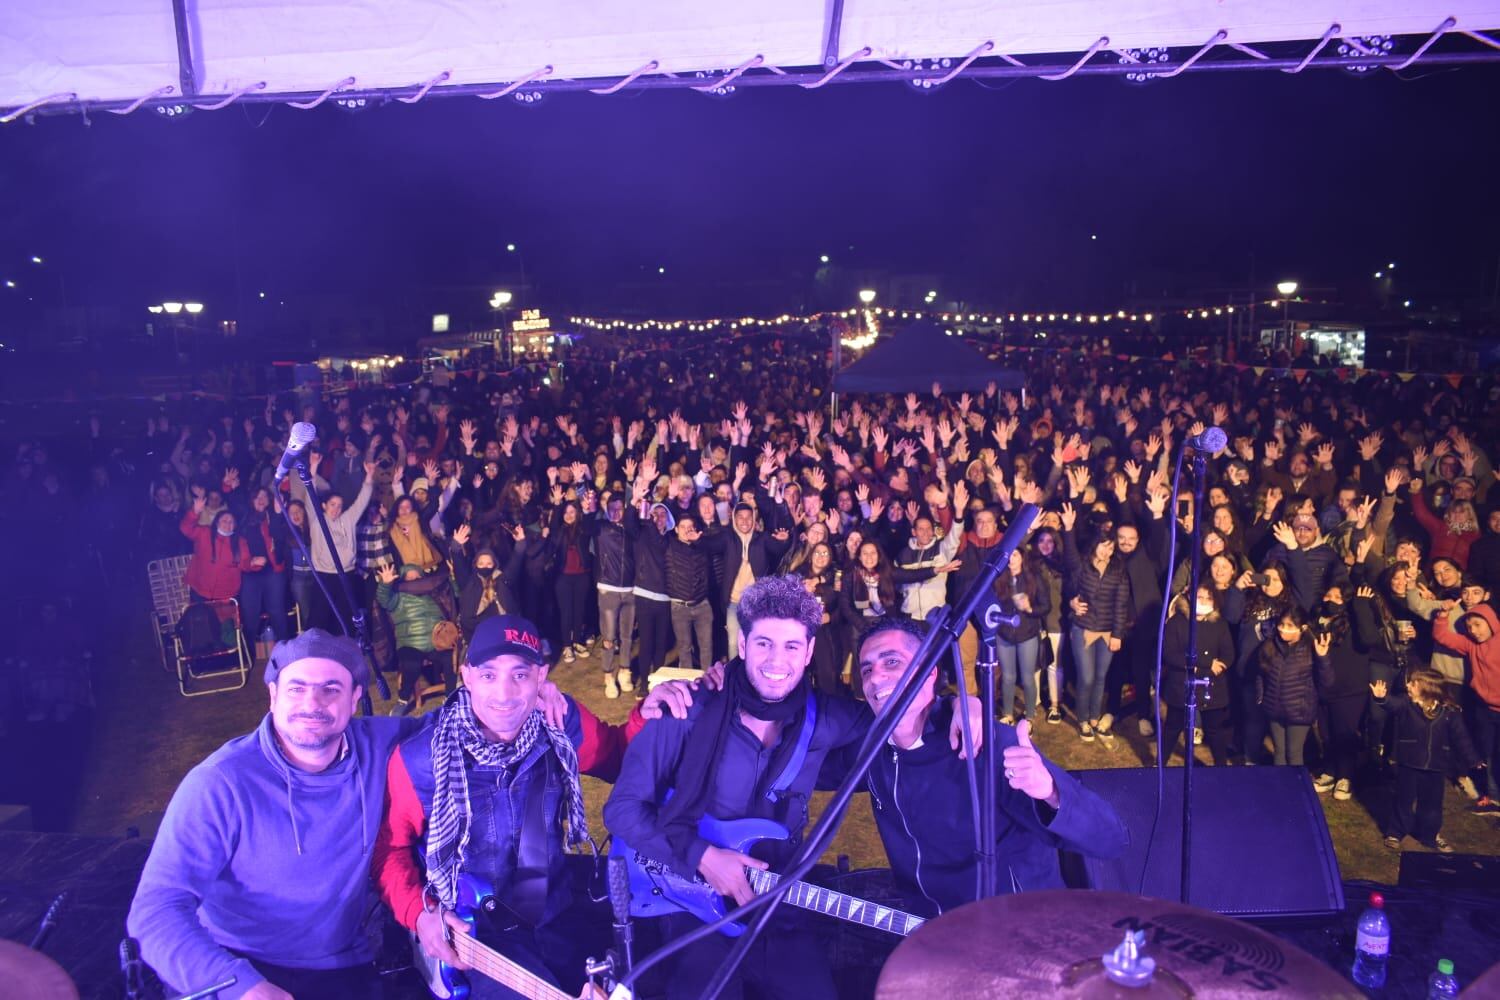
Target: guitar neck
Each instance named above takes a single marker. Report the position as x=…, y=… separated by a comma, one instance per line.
x=837, y=904
x=489, y=963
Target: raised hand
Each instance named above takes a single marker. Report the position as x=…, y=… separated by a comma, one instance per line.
x=960, y=498
x=385, y=573
x=1306, y=433
x=1379, y=689
x=1322, y=642
x=1369, y=446
x=430, y=470
x=466, y=435
x=1285, y=535
x=1324, y=454
x=1069, y=516
x=1393, y=478
x=461, y=534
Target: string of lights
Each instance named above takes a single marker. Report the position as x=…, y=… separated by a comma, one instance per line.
x=982, y=318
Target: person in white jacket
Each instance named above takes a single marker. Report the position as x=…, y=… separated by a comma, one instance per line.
x=343, y=525
x=926, y=551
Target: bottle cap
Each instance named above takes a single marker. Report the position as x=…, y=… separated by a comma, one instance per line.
x=1445, y=966
x=1377, y=900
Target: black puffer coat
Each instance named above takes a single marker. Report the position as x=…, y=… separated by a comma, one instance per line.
x=1287, y=689
x=1107, y=594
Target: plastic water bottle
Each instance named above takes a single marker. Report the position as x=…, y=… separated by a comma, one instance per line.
x=1372, y=944
x=1441, y=985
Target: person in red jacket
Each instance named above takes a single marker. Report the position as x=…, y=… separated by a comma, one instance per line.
x=1453, y=533
x=219, y=555
x=490, y=789
x=1477, y=637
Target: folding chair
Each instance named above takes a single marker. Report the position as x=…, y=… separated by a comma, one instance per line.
x=167, y=579
x=226, y=657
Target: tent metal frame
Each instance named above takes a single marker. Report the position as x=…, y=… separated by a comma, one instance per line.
x=927, y=75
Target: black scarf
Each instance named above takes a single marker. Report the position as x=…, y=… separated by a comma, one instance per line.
x=705, y=746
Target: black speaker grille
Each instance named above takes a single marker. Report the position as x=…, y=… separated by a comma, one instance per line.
x=1260, y=841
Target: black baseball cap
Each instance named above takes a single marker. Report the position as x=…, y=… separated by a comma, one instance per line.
x=506, y=635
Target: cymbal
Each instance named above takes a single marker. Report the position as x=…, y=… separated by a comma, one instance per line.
x=30, y=975
x=1486, y=984
x=1050, y=944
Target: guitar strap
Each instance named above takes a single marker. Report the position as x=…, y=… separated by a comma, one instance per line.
x=528, y=888
x=799, y=753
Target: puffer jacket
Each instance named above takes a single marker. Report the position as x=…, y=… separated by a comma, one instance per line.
x=1107, y=594
x=413, y=615
x=1290, y=676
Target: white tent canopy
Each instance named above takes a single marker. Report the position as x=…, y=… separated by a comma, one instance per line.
x=114, y=52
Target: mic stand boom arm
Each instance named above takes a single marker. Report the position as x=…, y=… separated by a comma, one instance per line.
x=925, y=659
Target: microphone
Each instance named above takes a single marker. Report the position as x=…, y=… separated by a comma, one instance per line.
x=1213, y=439
x=619, y=902
x=303, y=434
x=130, y=968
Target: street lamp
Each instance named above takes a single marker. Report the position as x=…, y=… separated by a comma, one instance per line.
x=1286, y=288
x=867, y=295
x=194, y=307
x=500, y=300
x=172, y=307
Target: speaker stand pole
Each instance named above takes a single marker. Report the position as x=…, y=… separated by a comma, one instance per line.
x=1190, y=702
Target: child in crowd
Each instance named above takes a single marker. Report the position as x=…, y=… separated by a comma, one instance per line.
x=1430, y=740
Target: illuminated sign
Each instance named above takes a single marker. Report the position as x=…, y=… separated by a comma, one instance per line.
x=440, y=323
x=531, y=319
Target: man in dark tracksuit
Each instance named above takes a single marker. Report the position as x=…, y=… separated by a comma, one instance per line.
x=919, y=794
x=721, y=762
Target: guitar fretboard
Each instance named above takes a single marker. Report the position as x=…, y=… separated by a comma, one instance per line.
x=838, y=904
x=493, y=965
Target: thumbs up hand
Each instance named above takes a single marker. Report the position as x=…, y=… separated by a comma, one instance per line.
x=1026, y=771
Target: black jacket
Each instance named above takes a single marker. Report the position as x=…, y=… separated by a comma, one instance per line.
x=1107, y=594
x=765, y=555
x=920, y=798
x=651, y=559
x=471, y=585
x=740, y=780
x=1286, y=687
x=1440, y=743
x=614, y=550
x=1214, y=643
x=1035, y=588
x=687, y=570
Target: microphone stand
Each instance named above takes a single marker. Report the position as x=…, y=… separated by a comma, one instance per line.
x=1190, y=703
x=361, y=625
x=923, y=661
x=984, y=677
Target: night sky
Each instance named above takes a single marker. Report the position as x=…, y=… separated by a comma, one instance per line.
x=1190, y=184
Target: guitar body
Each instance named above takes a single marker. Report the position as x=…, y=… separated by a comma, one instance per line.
x=443, y=981
x=656, y=889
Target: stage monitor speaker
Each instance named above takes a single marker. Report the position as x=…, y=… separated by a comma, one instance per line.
x=1260, y=841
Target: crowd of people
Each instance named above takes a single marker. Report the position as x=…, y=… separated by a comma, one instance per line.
x=1351, y=536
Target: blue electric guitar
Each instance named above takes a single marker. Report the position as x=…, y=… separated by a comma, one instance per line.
x=655, y=889
x=448, y=983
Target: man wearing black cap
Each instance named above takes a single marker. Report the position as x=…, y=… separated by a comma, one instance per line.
x=491, y=789
x=260, y=870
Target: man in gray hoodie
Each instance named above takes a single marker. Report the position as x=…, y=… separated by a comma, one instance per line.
x=261, y=868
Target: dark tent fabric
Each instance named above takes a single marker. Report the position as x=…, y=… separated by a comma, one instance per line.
x=919, y=355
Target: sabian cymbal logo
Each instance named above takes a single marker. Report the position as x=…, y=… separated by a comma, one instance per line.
x=1249, y=958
